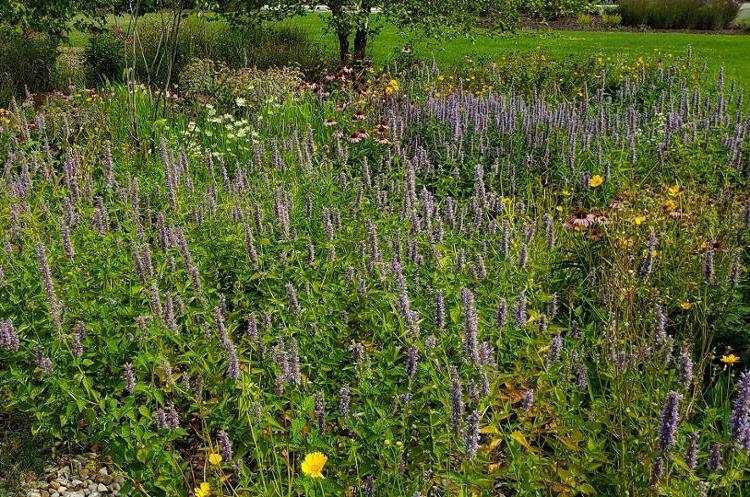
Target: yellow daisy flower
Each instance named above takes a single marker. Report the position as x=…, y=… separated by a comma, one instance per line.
x=203, y=491
x=313, y=464
x=595, y=181
x=214, y=458
x=730, y=359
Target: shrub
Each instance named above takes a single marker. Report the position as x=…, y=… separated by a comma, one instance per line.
x=211, y=81
x=553, y=9
x=585, y=20
x=70, y=67
x=27, y=62
x=679, y=14
x=611, y=20
x=104, y=57
x=743, y=24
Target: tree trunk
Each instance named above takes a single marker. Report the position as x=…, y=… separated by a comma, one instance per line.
x=343, y=46
x=360, y=44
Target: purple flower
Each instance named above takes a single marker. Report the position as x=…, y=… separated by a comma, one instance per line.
x=411, y=361
x=292, y=295
x=715, y=458
x=691, y=456
x=233, y=368
x=734, y=274
x=470, y=346
x=8, y=336
x=527, y=401
x=439, y=310
x=221, y=329
x=295, y=375
x=660, y=333
x=685, y=368
x=739, y=420
x=519, y=309
x=225, y=445
x=581, y=376
x=320, y=413
x=657, y=470
x=173, y=419
x=555, y=349
x=502, y=313
x=670, y=417
x=49, y=288
x=129, y=375
x=549, y=228
x=345, y=399
x=252, y=327
x=471, y=434
x=43, y=362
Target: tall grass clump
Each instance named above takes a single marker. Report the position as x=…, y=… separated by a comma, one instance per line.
x=679, y=14
x=27, y=63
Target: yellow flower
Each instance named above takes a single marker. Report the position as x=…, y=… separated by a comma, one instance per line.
x=313, y=464
x=670, y=205
x=638, y=220
x=685, y=306
x=730, y=359
x=214, y=458
x=596, y=181
x=203, y=491
x=674, y=190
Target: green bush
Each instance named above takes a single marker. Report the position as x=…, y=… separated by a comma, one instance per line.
x=70, y=67
x=743, y=24
x=611, y=20
x=104, y=58
x=201, y=39
x=679, y=14
x=553, y=9
x=206, y=80
x=27, y=63
x=585, y=20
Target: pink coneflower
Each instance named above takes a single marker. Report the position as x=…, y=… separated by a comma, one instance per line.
x=325, y=94
x=382, y=128
x=341, y=107
x=338, y=133
x=382, y=140
x=358, y=116
x=329, y=122
x=406, y=50
x=580, y=219
x=329, y=77
x=355, y=138
x=347, y=70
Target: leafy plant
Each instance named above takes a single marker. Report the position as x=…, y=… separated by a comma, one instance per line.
x=104, y=57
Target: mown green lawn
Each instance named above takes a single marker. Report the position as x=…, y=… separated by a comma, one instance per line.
x=730, y=51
